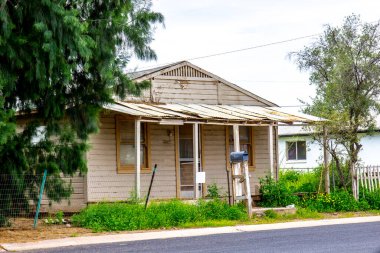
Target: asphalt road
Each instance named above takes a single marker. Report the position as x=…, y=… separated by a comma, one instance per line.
x=358, y=238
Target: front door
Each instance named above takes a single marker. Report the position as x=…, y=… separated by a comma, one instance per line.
x=186, y=161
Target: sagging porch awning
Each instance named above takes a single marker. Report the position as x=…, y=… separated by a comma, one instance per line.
x=204, y=113
x=197, y=114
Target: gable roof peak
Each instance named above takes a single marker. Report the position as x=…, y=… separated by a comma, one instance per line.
x=190, y=70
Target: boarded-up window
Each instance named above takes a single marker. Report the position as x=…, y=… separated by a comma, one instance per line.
x=296, y=150
x=126, y=147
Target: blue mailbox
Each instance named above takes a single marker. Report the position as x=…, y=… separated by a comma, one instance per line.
x=238, y=157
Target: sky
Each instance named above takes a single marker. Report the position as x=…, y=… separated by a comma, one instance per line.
x=204, y=27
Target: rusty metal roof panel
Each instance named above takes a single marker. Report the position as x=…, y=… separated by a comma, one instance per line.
x=233, y=112
x=125, y=110
x=304, y=116
x=230, y=113
x=169, y=113
x=261, y=111
x=198, y=111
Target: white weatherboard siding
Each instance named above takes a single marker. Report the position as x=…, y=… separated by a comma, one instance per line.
x=314, y=153
x=214, y=144
x=369, y=155
x=262, y=162
x=106, y=184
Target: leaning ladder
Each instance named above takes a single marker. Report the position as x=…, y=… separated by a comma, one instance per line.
x=238, y=179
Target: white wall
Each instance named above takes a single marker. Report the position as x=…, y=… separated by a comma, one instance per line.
x=313, y=153
x=369, y=155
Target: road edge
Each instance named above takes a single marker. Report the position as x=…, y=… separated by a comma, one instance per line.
x=140, y=236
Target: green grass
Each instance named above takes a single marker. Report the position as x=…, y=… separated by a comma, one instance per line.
x=174, y=213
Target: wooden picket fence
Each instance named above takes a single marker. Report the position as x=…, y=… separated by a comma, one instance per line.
x=368, y=177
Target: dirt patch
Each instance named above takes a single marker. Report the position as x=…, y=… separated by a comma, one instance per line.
x=22, y=231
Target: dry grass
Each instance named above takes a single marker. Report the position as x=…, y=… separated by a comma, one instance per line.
x=22, y=231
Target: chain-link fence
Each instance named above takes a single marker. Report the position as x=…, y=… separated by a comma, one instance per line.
x=20, y=194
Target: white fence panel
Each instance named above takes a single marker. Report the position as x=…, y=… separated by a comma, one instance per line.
x=368, y=177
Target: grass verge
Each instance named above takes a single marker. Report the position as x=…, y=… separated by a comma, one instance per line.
x=174, y=213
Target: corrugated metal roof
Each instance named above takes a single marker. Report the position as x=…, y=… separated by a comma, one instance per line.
x=203, y=112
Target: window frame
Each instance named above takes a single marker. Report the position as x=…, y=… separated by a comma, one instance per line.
x=131, y=168
x=287, y=144
x=251, y=143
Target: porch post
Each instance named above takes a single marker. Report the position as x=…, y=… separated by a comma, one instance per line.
x=270, y=146
x=195, y=158
x=138, y=157
x=236, y=166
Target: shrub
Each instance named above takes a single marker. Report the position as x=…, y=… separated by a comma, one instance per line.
x=213, y=191
x=125, y=216
x=301, y=181
x=274, y=194
x=372, y=199
x=336, y=201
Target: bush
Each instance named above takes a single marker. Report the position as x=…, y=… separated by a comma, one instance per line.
x=301, y=181
x=336, y=201
x=274, y=194
x=213, y=191
x=123, y=216
x=372, y=198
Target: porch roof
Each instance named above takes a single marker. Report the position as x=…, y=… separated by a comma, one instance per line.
x=233, y=114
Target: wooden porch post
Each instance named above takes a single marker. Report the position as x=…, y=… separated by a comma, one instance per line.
x=326, y=161
x=138, y=157
x=270, y=146
x=196, y=158
x=236, y=166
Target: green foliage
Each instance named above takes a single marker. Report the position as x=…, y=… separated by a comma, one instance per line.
x=57, y=219
x=306, y=213
x=271, y=214
x=344, y=66
x=213, y=191
x=334, y=202
x=123, y=216
x=301, y=181
x=275, y=194
x=281, y=193
x=372, y=198
x=60, y=62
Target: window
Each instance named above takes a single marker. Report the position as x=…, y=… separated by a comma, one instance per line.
x=125, y=146
x=246, y=142
x=296, y=150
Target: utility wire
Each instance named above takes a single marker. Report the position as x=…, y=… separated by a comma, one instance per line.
x=231, y=51
x=238, y=50
x=253, y=47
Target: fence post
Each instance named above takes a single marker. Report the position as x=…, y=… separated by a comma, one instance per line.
x=40, y=199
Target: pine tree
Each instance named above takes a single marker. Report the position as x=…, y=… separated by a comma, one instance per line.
x=60, y=62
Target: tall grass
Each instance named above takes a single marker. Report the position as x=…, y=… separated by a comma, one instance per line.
x=123, y=216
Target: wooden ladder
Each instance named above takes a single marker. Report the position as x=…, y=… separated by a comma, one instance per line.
x=240, y=177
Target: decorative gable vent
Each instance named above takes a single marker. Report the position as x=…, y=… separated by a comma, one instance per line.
x=186, y=71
